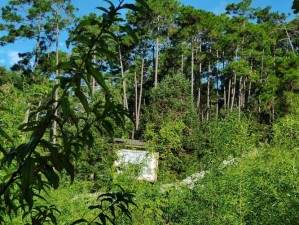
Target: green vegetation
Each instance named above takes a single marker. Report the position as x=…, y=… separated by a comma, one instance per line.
x=215, y=95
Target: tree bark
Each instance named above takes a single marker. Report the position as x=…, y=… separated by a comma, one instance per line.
x=93, y=81
x=224, y=87
x=208, y=89
x=224, y=97
x=234, y=83
x=233, y=92
x=124, y=85
x=54, y=125
x=244, y=93
x=217, y=84
x=37, y=46
x=140, y=92
x=240, y=98
x=289, y=38
x=157, y=55
x=229, y=93
x=37, y=114
x=192, y=70
x=198, y=102
x=249, y=91
x=182, y=63
x=136, y=102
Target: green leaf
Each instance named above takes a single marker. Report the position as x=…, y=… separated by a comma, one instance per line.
x=65, y=65
x=103, y=218
x=51, y=176
x=65, y=106
x=52, y=218
x=79, y=221
x=87, y=22
x=22, y=151
x=130, y=6
x=108, y=127
x=144, y=4
x=56, y=159
x=69, y=167
x=27, y=179
x=97, y=76
x=47, y=145
x=4, y=109
x=91, y=207
x=82, y=99
x=103, y=9
x=5, y=135
x=3, y=151
x=130, y=32
x=40, y=197
x=295, y=6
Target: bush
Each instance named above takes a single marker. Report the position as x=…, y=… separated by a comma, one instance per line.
x=261, y=188
x=229, y=137
x=286, y=132
x=172, y=123
x=172, y=115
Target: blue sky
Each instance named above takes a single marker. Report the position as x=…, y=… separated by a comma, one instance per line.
x=9, y=53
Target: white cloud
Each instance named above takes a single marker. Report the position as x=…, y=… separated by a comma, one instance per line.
x=13, y=57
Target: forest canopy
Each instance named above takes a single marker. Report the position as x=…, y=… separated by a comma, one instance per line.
x=217, y=96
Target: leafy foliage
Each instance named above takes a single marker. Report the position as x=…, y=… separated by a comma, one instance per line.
x=32, y=167
x=172, y=114
x=224, y=115
x=295, y=6
x=110, y=202
x=260, y=188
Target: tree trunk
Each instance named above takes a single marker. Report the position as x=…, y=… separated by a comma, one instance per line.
x=249, y=91
x=27, y=113
x=244, y=93
x=157, y=55
x=198, y=102
x=93, y=81
x=124, y=85
x=140, y=93
x=224, y=87
x=233, y=92
x=37, y=114
x=234, y=83
x=37, y=46
x=192, y=70
x=208, y=88
x=240, y=98
x=273, y=106
x=261, y=82
x=224, y=97
x=182, y=63
x=136, y=102
x=229, y=93
x=26, y=119
x=54, y=125
x=217, y=84
x=289, y=38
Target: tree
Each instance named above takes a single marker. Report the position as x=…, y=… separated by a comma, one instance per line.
x=30, y=165
x=157, y=29
x=172, y=123
x=41, y=21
